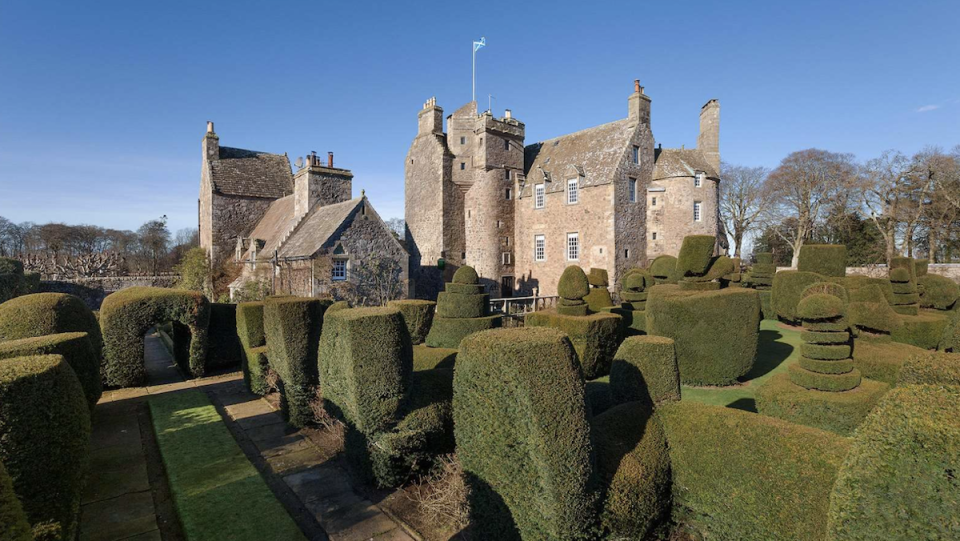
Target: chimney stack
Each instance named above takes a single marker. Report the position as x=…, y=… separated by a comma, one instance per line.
x=430, y=119
x=211, y=144
x=638, y=105
x=708, y=140
x=210, y=126
x=330, y=160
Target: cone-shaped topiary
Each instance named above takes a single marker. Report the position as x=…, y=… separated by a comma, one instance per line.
x=903, y=276
x=462, y=309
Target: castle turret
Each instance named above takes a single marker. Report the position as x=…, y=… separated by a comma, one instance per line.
x=638, y=105
x=321, y=184
x=708, y=141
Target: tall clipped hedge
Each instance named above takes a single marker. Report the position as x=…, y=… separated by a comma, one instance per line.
x=125, y=316
x=739, y=475
x=292, y=326
x=715, y=332
x=823, y=259
x=223, y=344
x=645, y=369
x=594, y=337
x=523, y=438
x=253, y=346
x=418, y=316
x=74, y=347
x=44, y=437
x=13, y=521
x=898, y=482
x=788, y=289
x=12, y=281
x=903, y=276
x=48, y=313
x=925, y=330
x=696, y=254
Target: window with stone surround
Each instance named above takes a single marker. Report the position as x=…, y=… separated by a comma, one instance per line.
x=509, y=194
x=539, y=248
x=573, y=191
x=506, y=174
x=463, y=165
x=633, y=190
x=506, y=144
x=339, y=272
x=573, y=246
x=636, y=155
x=539, y=192
x=698, y=180
x=697, y=211
x=654, y=237
x=463, y=140
x=653, y=201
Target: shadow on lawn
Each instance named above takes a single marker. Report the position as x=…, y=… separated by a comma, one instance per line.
x=770, y=354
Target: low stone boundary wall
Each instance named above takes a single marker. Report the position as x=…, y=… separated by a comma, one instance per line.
x=94, y=290
x=950, y=270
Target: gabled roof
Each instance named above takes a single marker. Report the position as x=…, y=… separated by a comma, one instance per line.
x=313, y=232
x=251, y=173
x=274, y=226
x=676, y=162
x=596, y=153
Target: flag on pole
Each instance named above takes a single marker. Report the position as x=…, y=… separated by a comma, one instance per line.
x=477, y=45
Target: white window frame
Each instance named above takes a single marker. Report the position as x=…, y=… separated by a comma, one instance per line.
x=573, y=246
x=698, y=211
x=698, y=179
x=539, y=196
x=539, y=248
x=506, y=258
x=632, y=189
x=339, y=265
x=573, y=191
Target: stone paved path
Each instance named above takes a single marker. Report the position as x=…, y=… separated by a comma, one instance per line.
x=118, y=503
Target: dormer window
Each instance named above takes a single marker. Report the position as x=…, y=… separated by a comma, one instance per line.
x=698, y=179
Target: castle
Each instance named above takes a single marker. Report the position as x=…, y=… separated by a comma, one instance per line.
x=601, y=197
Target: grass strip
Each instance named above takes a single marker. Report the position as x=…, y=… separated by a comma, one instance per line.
x=217, y=492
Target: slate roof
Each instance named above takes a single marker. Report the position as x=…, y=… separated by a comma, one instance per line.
x=275, y=224
x=251, y=173
x=596, y=153
x=317, y=227
x=675, y=162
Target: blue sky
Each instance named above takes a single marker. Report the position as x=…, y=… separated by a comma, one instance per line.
x=103, y=104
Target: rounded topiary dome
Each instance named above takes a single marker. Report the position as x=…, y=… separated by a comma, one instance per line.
x=820, y=306
x=826, y=288
x=900, y=275
x=466, y=275
x=636, y=281
x=573, y=283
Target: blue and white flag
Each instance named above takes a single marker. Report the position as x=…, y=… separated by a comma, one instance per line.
x=477, y=45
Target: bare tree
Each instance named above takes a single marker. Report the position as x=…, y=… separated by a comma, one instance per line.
x=742, y=200
x=802, y=187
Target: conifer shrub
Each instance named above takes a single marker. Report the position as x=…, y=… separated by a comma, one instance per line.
x=696, y=255
x=13, y=521
x=292, y=327
x=594, y=337
x=468, y=318
x=715, y=332
x=599, y=296
x=461, y=305
x=881, y=359
x=572, y=288
x=770, y=482
x=253, y=343
x=645, y=369
x=448, y=332
x=664, y=269
x=426, y=358
x=839, y=412
x=939, y=292
x=896, y=483
x=76, y=350
x=125, y=316
x=521, y=421
x=855, y=284
x=40, y=314
x=924, y=330
x=418, y=315
x=634, y=468
x=903, y=276
x=761, y=273
x=31, y=283
x=823, y=259
x=931, y=368
x=44, y=437
x=11, y=279
x=223, y=344
x=787, y=291
x=869, y=312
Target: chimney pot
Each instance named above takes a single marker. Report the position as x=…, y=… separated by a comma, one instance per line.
x=330, y=159
x=209, y=126
x=636, y=86
x=507, y=113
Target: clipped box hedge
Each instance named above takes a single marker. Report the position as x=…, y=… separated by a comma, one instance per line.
x=12, y=282
x=449, y=332
x=426, y=358
x=939, y=292
x=523, y=438
x=634, y=468
x=931, y=368
x=924, y=330
x=881, y=359
x=788, y=289
x=292, y=326
x=461, y=305
x=645, y=369
x=716, y=332
x=48, y=313
x=696, y=255
x=896, y=482
x=823, y=259
x=739, y=475
x=253, y=349
x=664, y=269
x=223, y=343
x=418, y=315
x=44, y=441
x=74, y=347
x=840, y=412
x=13, y=521
x=594, y=337
x=125, y=316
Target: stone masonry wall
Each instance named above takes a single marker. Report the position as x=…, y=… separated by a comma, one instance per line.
x=234, y=216
x=426, y=203
x=93, y=290
x=630, y=224
x=672, y=217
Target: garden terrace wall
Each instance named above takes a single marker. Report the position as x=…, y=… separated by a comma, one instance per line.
x=127, y=315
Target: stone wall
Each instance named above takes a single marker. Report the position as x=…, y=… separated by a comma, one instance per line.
x=630, y=225
x=234, y=216
x=94, y=290
x=427, y=197
x=672, y=217
x=950, y=270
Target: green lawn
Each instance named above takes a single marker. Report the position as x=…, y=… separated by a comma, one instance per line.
x=217, y=491
x=777, y=349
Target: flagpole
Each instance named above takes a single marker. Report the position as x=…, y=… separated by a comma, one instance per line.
x=474, y=93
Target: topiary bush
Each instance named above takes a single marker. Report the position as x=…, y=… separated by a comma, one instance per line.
x=74, y=347
x=292, y=326
x=925, y=330
x=418, y=315
x=125, y=316
x=12, y=282
x=44, y=438
x=253, y=343
x=869, y=312
x=634, y=468
x=520, y=420
x=425, y=358
x=572, y=288
x=903, y=276
x=761, y=273
x=13, y=521
x=931, y=368
x=645, y=369
x=48, y=313
x=223, y=343
x=854, y=284
x=939, y=292
x=840, y=412
x=696, y=255
x=881, y=359
x=594, y=337
x=599, y=296
x=664, y=269
x=896, y=483
x=466, y=275
x=716, y=332
x=823, y=259
x=788, y=289
x=462, y=309
x=739, y=475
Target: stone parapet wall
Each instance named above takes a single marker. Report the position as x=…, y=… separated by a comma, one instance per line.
x=950, y=270
x=93, y=290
